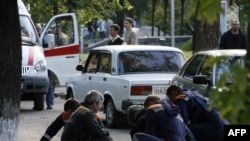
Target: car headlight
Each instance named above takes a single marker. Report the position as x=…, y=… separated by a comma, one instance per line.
x=40, y=67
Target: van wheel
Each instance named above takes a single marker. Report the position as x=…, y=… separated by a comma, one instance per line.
x=39, y=102
x=69, y=94
x=111, y=114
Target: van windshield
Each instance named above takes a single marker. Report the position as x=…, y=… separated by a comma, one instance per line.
x=27, y=30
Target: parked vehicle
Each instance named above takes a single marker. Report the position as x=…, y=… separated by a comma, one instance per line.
x=200, y=75
x=34, y=72
x=125, y=74
x=47, y=54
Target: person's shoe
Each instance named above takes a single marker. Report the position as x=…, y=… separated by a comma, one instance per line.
x=49, y=107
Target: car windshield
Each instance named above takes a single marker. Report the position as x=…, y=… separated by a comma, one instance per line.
x=225, y=67
x=27, y=30
x=150, y=61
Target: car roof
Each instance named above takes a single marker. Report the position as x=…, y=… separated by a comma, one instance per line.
x=121, y=48
x=224, y=52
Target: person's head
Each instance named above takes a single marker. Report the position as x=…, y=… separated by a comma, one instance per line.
x=56, y=28
x=71, y=105
x=93, y=100
x=150, y=100
x=39, y=28
x=172, y=92
x=235, y=24
x=128, y=23
x=114, y=30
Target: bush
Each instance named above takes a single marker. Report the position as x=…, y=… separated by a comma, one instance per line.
x=187, y=46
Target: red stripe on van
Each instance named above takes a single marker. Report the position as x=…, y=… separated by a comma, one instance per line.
x=62, y=51
x=31, y=56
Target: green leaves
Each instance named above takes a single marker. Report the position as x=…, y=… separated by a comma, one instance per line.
x=208, y=10
x=231, y=100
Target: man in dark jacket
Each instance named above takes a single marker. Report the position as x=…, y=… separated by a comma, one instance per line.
x=162, y=122
x=233, y=38
x=83, y=125
x=69, y=107
x=114, y=30
x=205, y=125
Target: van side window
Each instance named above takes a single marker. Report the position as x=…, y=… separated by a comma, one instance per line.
x=63, y=30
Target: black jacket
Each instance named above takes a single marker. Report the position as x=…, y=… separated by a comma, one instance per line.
x=54, y=127
x=117, y=41
x=233, y=41
x=83, y=127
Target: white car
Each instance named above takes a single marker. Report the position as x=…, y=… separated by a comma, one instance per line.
x=125, y=74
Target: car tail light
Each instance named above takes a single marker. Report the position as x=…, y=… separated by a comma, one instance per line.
x=141, y=90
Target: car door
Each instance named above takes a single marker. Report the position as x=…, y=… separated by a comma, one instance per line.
x=100, y=79
x=185, y=79
x=206, y=68
x=63, y=56
x=84, y=82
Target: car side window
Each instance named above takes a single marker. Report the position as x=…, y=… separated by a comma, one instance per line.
x=193, y=67
x=92, y=63
x=206, y=68
x=105, y=63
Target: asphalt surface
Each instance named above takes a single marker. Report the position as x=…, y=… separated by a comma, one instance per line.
x=33, y=124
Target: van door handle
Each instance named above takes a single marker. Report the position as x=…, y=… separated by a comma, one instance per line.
x=104, y=79
x=89, y=77
x=70, y=56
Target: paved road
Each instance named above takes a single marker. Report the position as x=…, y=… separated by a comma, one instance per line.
x=33, y=123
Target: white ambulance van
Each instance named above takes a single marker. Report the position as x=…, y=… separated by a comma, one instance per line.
x=56, y=52
x=35, y=80
x=60, y=41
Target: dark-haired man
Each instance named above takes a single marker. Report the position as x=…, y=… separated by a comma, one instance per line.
x=114, y=30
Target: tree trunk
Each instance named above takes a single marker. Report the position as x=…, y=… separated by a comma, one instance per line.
x=182, y=16
x=205, y=36
x=10, y=73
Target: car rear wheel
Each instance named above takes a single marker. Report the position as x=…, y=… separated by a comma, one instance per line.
x=111, y=114
x=39, y=102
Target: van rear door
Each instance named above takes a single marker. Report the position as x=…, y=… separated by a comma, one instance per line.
x=63, y=54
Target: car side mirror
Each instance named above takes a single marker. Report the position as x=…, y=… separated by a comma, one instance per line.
x=79, y=68
x=201, y=79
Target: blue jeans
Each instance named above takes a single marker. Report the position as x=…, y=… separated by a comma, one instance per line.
x=50, y=93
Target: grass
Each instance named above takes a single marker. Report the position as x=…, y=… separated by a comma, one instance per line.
x=188, y=54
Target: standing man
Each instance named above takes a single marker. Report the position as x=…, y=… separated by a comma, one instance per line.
x=233, y=38
x=130, y=36
x=39, y=29
x=50, y=93
x=114, y=30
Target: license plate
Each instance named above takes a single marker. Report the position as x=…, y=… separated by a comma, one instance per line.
x=159, y=90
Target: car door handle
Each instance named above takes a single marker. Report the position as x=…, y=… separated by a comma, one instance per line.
x=104, y=79
x=89, y=77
